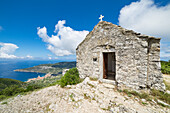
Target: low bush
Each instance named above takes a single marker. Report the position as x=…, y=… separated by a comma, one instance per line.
x=2, y=97
x=71, y=77
x=12, y=90
x=33, y=87
x=165, y=67
x=4, y=103
x=6, y=82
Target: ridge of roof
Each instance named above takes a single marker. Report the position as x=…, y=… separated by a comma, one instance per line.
x=124, y=31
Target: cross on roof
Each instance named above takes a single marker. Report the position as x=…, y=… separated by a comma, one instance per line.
x=101, y=17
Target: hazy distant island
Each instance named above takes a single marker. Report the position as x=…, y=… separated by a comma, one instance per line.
x=54, y=69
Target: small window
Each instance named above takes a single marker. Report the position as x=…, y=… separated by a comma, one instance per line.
x=94, y=59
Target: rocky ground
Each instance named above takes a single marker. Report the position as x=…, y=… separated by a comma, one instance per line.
x=167, y=78
x=86, y=97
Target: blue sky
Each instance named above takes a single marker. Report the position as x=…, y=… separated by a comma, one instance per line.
x=19, y=20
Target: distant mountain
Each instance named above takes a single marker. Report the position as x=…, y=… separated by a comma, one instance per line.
x=49, y=68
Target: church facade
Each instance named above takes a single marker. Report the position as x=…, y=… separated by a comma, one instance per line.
x=120, y=56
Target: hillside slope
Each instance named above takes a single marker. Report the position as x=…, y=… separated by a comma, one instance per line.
x=86, y=97
x=6, y=82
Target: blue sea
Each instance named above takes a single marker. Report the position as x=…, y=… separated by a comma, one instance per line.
x=7, y=69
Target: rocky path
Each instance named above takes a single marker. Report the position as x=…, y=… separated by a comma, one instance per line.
x=86, y=97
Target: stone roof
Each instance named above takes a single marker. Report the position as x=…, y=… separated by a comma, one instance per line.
x=123, y=30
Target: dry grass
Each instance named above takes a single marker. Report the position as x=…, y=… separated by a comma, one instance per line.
x=167, y=81
x=154, y=94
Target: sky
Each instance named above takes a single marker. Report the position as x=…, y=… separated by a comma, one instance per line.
x=52, y=29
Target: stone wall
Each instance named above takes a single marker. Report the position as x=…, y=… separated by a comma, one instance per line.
x=137, y=56
x=155, y=78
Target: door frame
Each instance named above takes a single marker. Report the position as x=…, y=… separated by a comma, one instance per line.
x=105, y=64
x=103, y=50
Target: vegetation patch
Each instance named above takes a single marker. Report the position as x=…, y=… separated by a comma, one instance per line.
x=144, y=103
x=4, y=103
x=71, y=77
x=71, y=97
x=13, y=87
x=6, y=82
x=86, y=96
x=154, y=94
x=142, y=95
x=161, y=95
x=91, y=85
x=2, y=97
x=47, y=107
x=106, y=109
x=93, y=78
x=167, y=85
x=165, y=67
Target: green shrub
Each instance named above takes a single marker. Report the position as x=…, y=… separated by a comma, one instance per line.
x=165, y=67
x=71, y=77
x=4, y=103
x=33, y=87
x=12, y=90
x=12, y=87
x=126, y=91
x=6, y=82
x=9, y=91
x=29, y=88
x=2, y=97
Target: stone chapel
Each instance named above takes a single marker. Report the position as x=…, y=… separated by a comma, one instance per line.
x=120, y=56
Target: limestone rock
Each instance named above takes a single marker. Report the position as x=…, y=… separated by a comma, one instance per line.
x=159, y=101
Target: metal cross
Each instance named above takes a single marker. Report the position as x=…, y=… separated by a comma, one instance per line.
x=101, y=17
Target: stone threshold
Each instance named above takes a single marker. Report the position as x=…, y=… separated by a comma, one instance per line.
x=113, y=82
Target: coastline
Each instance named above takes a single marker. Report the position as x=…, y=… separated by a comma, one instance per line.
x=39, y=78
x=21, y=70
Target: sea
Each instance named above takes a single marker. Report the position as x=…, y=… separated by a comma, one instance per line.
x=7, y=69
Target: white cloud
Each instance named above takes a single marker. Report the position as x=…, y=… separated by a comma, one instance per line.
x=146, y=17
x=165, y=51
x=49, y=58
x=7, y=50
x=29, y=57
x=65, y=41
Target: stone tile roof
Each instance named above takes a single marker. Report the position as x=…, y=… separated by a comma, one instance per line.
x=123, y=30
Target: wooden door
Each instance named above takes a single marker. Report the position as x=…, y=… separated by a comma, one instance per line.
x=105, y=65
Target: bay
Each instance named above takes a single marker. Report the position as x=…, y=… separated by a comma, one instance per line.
x=7, y=69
